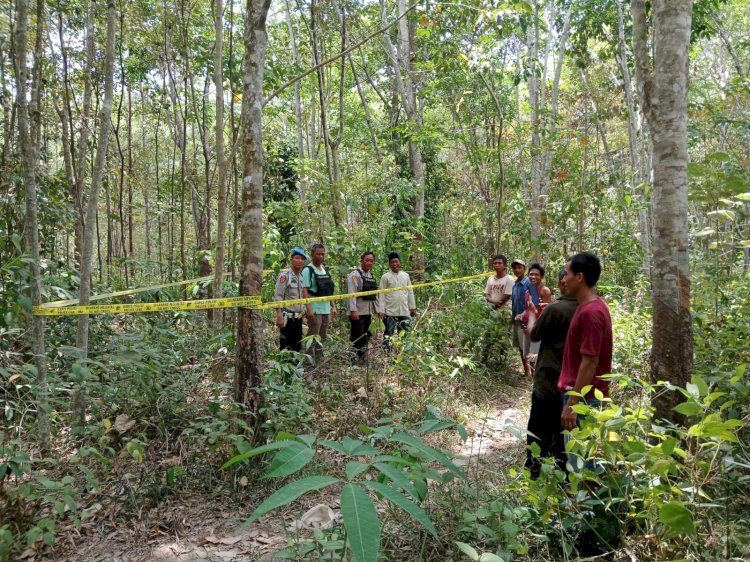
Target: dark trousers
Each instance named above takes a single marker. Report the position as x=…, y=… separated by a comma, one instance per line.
x=359, y=333
x=544, y=423
x=394, y=324
x=291, y=335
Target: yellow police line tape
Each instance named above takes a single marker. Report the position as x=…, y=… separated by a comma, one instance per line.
x=126, y=292
x=253, y=302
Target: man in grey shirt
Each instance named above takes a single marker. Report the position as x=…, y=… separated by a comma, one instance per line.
x=361, y=308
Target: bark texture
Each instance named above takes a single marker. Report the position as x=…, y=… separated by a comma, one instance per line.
x=662, y=78
x=28, y=125
x=100, y=161
x=221, y=162
x=249, y=363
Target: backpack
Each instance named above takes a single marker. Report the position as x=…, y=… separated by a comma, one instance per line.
x=368, y=285
x=323, y=283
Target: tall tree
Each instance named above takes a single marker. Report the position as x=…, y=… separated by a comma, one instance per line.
x=403, y=58
x=100, y=161
x=29, y=121
x=221, y=161
x=249, y=360
x=662, y=79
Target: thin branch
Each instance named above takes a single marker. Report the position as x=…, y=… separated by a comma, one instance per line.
x=336, y=57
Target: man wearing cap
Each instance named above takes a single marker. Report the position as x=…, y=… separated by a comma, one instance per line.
x=518, y=304
x=396, y=307
x=361, y=308
x=289, y=287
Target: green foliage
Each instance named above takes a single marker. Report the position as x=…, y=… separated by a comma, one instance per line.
x=397, y=459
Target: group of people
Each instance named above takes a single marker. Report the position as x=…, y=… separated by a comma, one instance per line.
x=571, y=338
x=302, y=280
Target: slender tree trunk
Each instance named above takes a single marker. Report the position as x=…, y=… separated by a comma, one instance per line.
x=80, y=161
x=662, y=78
x=249, y=361
x=28, y=123
x=297, y=109
x=325, y=130
x=100, y=162
x=221, y=164
x=635, y=134
x=402, y=55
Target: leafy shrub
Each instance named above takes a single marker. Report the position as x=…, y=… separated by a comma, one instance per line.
x=393, y=463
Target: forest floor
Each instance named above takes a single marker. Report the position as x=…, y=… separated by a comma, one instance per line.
x=203, y=525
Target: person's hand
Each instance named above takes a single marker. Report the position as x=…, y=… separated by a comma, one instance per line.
x=310, y=315
x=334, y=312
x=413, y=311
x=382, y=315
x=279, y=322
x=568, y=418
x=354, y=315
x=519, y=317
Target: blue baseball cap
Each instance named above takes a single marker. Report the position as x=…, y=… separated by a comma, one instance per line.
x=300, y=252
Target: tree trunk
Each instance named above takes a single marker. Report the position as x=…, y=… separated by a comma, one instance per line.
x=249, y=361
x=221, y=163
x=635, y=138
x=664, y=91
x=402, y=55
x=100, y=161
x=297, y=110
x=28, y=122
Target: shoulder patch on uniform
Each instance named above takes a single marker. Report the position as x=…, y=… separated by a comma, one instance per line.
x=282, y=278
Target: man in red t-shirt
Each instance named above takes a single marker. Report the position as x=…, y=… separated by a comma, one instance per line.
x=588, y=348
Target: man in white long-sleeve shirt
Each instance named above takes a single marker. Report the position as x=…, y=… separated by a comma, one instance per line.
x=397, y=307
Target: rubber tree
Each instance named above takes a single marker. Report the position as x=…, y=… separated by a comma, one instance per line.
x=660, y=51
x=249, y=359
x=29, y=120
x=100, y=161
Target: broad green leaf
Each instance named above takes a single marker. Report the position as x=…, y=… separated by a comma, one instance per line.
x=725, y=214
x=354, y=469
x=361, y=523
x=396, y=497
x=291, y=492
x=335, y=445
x=677, y=517
x=704, y=232
x=743, y=196
x=689, y=408
x=257, y=451
x=490, y=557
x=428, y=426
x=398, y=477
x=427, y=451
x=468, y=550
x=289, y=460
x=393, y=459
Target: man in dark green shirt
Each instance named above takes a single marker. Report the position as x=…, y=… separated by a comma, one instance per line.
x=545, y=429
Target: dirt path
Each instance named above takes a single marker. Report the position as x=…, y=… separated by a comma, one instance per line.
x=199, y=528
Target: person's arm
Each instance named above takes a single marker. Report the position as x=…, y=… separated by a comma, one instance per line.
x=487, y=291
x=586, y=373
x=545, y=295
x=506, y=294
x=380, y=299
x=278, y=295
x=352, y=286
x=411, y=301
x=306, y=292
x=544, y=325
